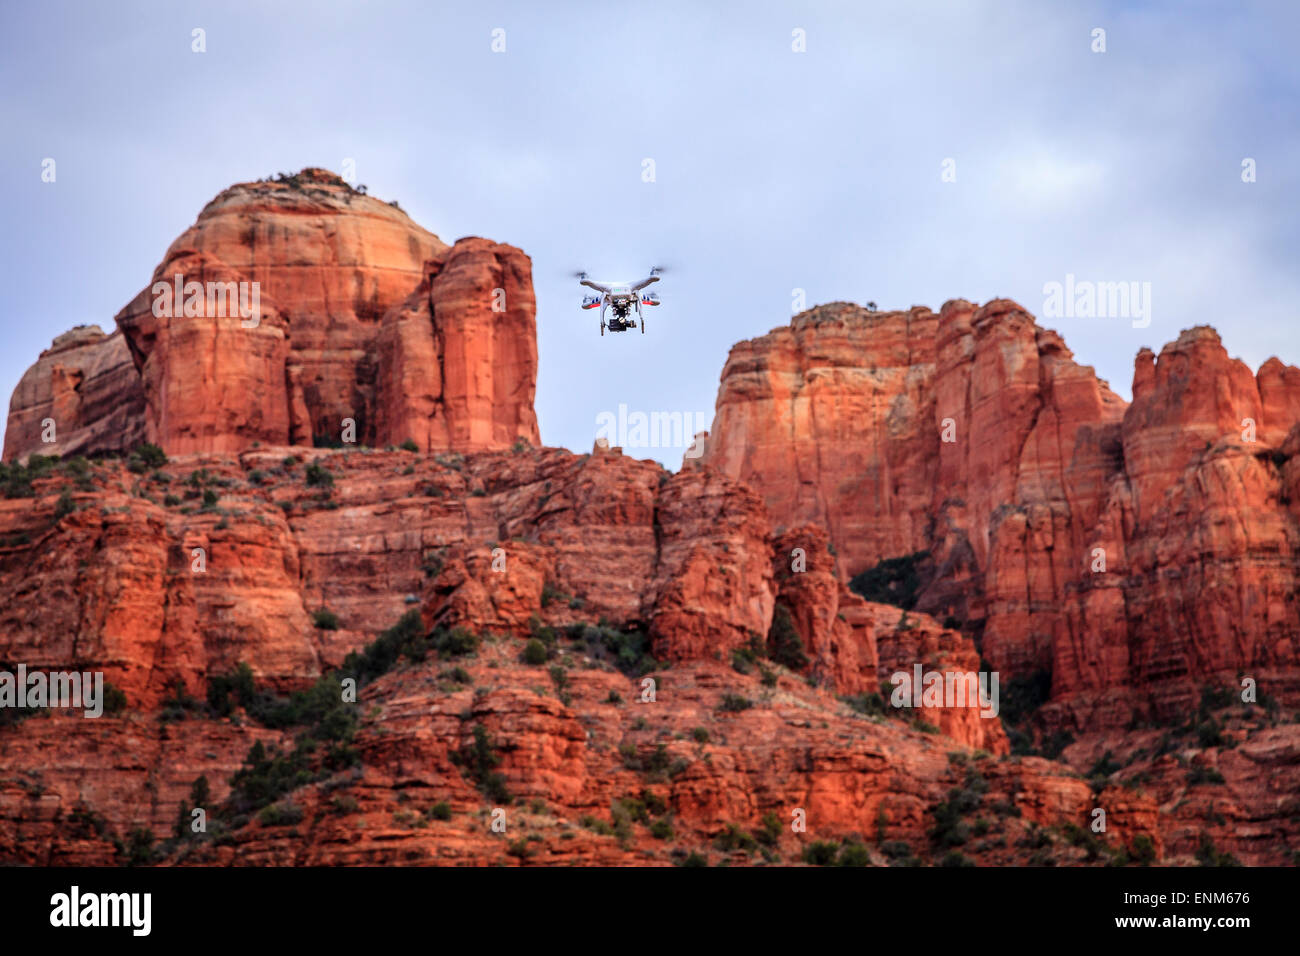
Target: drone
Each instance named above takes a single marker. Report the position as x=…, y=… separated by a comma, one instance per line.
x=623, y=298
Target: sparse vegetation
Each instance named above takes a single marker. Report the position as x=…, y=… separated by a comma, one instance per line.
x=64, y=506
x=317, y=476
x=479, y=760
x=1207, y=855
x=784, y=645
x=16, y=478
x=628, y=651
x=325, y=619
x=895, y=581
x=734, y=703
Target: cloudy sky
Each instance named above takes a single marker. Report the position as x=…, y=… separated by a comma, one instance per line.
x=774, y=170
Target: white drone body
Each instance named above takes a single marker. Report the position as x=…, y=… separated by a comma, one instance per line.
x=623, y=298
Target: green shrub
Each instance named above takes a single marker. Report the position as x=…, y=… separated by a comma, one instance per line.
x=280, y=815
x=734, y=703
x=458, y=642
x=853, y=854
x=64, y=506
x=318, y=476
x=84, y=823
x=114, y=699
x=733, y=838
x=1208, y=734
x=657, y=764
x=820, y=853
x=409, y=445
x=17, y=478
x=265, y=776
x=1143, y=850
x=743, y=658
x=628, y=651
x=534, y=652
x=895, y=581
x=138, y=849
x=1024, y=695
x=769, y=833
x=343, y=804
x=949, y=828
x=896, y=850
x=783, y=642
x=550, y=593
x=325, y=619
x=1105, y=766
x=440, y=811
x=479, y=761
x=1207, y=855
x=872, y=705
x=1203, y=775
x=222, y=687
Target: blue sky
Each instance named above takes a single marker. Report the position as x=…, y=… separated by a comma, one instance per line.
x=775, y=170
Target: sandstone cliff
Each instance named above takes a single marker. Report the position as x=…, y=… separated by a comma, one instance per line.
x=1133, y=554
x=302, y=305
x=83, y=392
x=635, y=666
x=617, y=571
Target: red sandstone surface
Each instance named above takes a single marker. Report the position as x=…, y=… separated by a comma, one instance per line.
x=560, y=583
x=1186, y=495
x=362, y=316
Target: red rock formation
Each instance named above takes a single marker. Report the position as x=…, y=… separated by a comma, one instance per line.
x=361, y=315
x=84, y=386
x=971, y=435
x=328, y=262
x=1203, y=558
x=833, y=623
x=975, y=437
x=685, y=557
x=457, y=360
x=828, y=420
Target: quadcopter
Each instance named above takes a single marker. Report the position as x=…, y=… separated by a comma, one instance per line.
x=623, y=298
